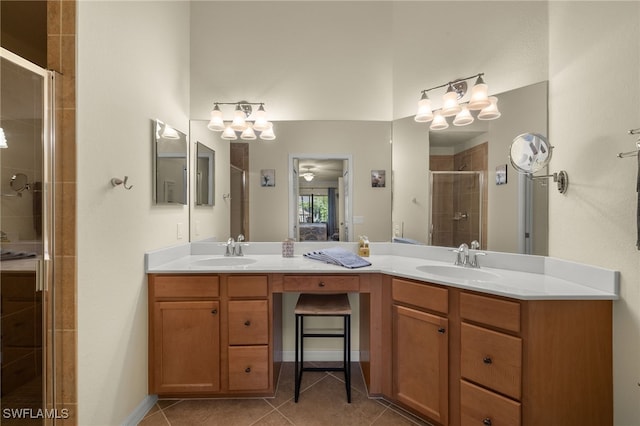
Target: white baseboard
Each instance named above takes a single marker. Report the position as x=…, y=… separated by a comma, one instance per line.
x=141, y=410
x=290, y=356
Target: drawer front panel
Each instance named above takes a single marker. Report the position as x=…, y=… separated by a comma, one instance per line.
x=422, y=295
x=248, y=368
x=191, y=286
x=479, y=406
x=248, y=322
x=491, y=311
x=322, y=283
x=248, y=286
x=492, y=359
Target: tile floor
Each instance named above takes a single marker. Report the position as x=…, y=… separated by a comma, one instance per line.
x=322, y=402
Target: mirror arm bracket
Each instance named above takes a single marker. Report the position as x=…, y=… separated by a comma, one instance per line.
x=561, y=178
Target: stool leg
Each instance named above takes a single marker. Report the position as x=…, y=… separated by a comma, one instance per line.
x=297, y=372
x=347, y=358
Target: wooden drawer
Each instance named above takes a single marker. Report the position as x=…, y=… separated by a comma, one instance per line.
x=248, y=368
x=185, y=286
x=247, y=286
x=422, y=295
x=248, y=322
x=492, y=359
x=322, y=283
x=490, y=311
x=479, y=406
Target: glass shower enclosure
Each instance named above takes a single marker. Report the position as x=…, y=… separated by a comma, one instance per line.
x=26, y=240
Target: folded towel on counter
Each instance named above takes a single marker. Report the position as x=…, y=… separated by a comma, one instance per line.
x=338, y=256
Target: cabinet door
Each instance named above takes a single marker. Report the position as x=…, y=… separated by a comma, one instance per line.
x=186, y=347
x=420, y=362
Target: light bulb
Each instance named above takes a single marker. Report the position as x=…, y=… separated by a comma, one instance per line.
x=439, y=122
x=450, y=104
x=261, y=122
x=424, y=114
x=463, y=118
x=216, y=123
x=479, y=95
x=490, y=112
x=3, y=139
x=229, y=134
x=239, y=119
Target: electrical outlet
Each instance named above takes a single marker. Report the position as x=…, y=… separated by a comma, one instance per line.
x=180, y=230
x=357, y=220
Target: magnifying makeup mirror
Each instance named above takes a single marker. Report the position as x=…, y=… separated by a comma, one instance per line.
x=529, y=153
x=19, y=182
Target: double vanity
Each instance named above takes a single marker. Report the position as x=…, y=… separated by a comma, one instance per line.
x=522, y=340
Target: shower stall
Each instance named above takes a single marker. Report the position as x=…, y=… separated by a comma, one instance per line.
x=26, y=240
x=458, y=208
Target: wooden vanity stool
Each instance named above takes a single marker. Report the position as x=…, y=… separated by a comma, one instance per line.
x=323, y=305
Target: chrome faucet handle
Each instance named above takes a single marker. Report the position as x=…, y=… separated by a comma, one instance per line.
x=464, y=250
x=475, y=245
x=474, y=260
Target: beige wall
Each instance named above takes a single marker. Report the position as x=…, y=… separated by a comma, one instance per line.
x=594, y=98
x=366, y=141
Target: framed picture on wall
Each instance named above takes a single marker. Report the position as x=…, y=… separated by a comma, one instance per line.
x=378, y=178
x=268, y=177
x=501, y=174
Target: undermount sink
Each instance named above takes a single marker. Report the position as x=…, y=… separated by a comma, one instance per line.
x=224, y=261
x=458, y=272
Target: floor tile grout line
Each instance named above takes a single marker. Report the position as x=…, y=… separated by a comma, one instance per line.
x=379, y=415
x=400, y=411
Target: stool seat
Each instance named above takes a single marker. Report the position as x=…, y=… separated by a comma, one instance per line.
x=323, y=305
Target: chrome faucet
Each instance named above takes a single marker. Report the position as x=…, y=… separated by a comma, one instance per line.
x=462, y=255
x=238, y=251
x=230, y=247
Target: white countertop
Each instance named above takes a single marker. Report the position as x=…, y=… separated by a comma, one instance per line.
x=511, y=275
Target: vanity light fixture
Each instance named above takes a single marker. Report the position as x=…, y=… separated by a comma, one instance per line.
x=243, y=124
x=3, y=139
x=451, y=106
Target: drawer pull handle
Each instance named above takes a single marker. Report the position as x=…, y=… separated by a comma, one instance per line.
x=441, y=330
x=247, y=323
x=486, y=421
x=247, y=370
x=214, y=312
x=321, y=284
x=487, y=360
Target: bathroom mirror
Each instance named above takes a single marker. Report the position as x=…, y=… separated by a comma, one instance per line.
x=205, y=175
x=530, y=153
x=170, y=154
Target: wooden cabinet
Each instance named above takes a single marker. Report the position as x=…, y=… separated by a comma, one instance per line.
x=420, y=349
x=184, y=334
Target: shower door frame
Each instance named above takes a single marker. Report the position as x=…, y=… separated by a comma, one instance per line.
x=45, y=266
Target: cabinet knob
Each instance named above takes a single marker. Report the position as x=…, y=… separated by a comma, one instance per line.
x=487, y=360
x=214, y=312
x=247, y=370
x=247, y=323
x=486, y=421
x=441, y=330
x=321, y=284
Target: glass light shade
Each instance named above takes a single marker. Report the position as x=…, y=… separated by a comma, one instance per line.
x=216, y=123
x=450, y=104
x=479, y=96
x=424, y=113
x=3, y=139
x=308, y=176
x=439, y=122
x=261, y=123
x=463, y=118
x=490, y=112
x=170, y=133
x=229, y=134
x=239, y=120
x=268, y=135
x=248, y=134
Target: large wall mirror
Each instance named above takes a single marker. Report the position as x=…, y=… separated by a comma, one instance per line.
x=205, y=175
x=170, y=161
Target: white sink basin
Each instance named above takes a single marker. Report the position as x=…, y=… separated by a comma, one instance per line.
x=459, y=272
x=224, y=261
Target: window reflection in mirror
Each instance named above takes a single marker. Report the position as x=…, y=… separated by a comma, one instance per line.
x=170, y=151
x=205, y=175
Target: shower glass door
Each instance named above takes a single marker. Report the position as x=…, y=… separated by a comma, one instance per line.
x=25, y=241
x=457, y=209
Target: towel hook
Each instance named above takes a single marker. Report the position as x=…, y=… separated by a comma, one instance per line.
x=118, y=181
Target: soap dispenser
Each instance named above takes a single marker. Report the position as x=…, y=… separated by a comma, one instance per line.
x=363, y=246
